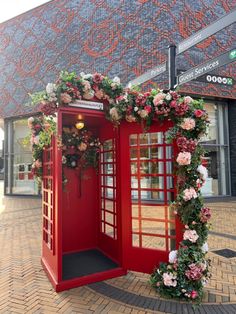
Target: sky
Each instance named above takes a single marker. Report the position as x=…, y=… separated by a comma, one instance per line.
x=12, y=8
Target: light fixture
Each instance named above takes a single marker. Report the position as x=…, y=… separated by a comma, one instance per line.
x=80, y=123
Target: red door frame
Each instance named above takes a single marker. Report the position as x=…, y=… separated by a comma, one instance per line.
x=135, y=258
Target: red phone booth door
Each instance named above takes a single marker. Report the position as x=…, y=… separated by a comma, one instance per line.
x=109, y=235
x=149, y=227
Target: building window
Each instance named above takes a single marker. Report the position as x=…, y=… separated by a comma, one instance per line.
x=216, y=145
x=18, y=159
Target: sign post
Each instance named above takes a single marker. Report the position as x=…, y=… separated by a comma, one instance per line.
x=206, y=32
x=171, y=66
x=206, y=67
x=149, y=74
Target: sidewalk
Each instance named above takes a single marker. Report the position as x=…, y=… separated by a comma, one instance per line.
x=24, y=287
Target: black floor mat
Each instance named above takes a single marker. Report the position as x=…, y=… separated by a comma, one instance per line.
x=225, y=253
x=85, y=263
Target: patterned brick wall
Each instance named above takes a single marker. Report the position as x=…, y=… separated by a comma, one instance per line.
x=123, y=38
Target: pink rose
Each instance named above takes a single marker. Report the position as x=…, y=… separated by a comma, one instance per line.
x=114, y=114
x=82, y=146
x=191, y=235
x=130, y=118
x=97, y=78
x=189, y=194
x=199, y=113
x=205, y=214
x=158, y=99
x=188, y=124
x=38, y=164
x=169, y=280
x=99, y=94
x=194, y=294
x=66, y=98
x=188, y=100
x=184, y=159
x=143, y=113
x=194, y=272
x=148, y=108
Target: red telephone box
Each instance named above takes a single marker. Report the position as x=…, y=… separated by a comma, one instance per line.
x=118, y=219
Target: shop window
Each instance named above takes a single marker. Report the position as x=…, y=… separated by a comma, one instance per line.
x=18, y=159
x=216, y=146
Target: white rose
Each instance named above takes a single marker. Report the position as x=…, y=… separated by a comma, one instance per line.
x=172, y=256
x=116, y=80
x=87, y=76
x=50, y=88
x=203, y=172
x=89, y=94
x=168, y=96
x=205, y=248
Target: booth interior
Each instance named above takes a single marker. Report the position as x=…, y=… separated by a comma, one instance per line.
x=88, y=206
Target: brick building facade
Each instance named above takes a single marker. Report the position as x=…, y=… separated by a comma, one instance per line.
x=118, y=38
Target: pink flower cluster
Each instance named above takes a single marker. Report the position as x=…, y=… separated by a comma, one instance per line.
x=186, y=145
x=180, y=108
x=205, y=214
x=48, y=107
x=194, y=272
x=169, y=280
x=184, y=158
x=188, y=124
x=188, y=194
x=191, y=235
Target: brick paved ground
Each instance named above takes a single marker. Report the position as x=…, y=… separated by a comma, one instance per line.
x=24, y=287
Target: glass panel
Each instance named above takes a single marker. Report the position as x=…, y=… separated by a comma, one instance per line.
x=135, y=225
x=134, y=210
x=152, y=182
x=154, y=227
x=150, y=211
x=153, y=242
x=133, y=139
x=211, y=137
x=23, y=181
x=133, y=153
x=109, y=230
x=107, y=145
x=156, y=138
x=135, y=240
x=109, y=204
x=143, y=139
x=216, y=162
x=108, y=168
x=108, y=156
x=109, y=218
x=172, y=244
x=109, y=193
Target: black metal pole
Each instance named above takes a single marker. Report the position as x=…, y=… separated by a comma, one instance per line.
x=171, y=66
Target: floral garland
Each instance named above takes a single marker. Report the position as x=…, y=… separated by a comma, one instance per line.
x=80, y=148
x=187, y=271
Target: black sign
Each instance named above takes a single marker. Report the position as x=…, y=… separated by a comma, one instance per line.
x=213, y=78
x=206, y=32
x=149, y=74
x=206, y=67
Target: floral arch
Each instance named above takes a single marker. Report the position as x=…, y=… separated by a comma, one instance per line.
x=188, y=269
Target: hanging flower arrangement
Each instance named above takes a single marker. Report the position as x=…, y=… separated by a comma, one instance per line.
x=187, y=271
x=80, y=149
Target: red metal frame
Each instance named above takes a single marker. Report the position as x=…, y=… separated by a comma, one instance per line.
x=105, y=218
